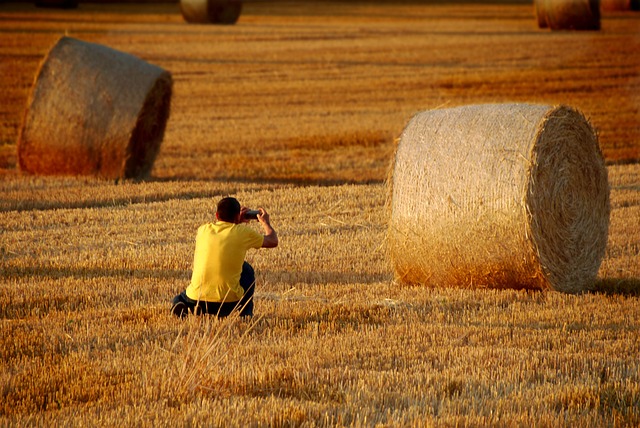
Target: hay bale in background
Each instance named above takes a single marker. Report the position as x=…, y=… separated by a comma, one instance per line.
x=568, y=14
x=211, y=11
x=619, y=5
x=499, y=196
x=94, y=111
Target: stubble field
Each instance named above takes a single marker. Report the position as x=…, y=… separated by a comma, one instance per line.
x=296, y=108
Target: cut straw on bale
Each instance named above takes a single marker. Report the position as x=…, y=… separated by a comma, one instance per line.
x=568, y=14
x=94, y=111
x=211, y=11
x=499, y=196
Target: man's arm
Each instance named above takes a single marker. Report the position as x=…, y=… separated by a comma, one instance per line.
x=270, y=235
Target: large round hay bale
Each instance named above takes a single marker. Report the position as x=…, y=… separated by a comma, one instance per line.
x=211, y=11
x=499, y=196
x=94, y=111
x=568, y=14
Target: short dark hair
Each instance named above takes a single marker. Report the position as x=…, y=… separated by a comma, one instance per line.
x=228, y=209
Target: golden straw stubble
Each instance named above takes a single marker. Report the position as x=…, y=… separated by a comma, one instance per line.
x=499, y=196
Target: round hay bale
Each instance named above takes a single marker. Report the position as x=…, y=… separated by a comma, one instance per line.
x=211, y=11
x=568, y=14
x=499, y=196
x=94, y=111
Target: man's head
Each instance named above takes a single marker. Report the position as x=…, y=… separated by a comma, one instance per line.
x=228, y=210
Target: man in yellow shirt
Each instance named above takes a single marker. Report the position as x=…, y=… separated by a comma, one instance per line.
x=222, y=280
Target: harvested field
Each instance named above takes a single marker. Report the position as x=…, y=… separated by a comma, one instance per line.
x=296, y=108
x=316, y=93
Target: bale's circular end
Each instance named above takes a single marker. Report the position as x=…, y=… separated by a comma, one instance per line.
x=224, y=12
x=148, y=133
x=94, y=111
x=499, y=196
x=568, y=200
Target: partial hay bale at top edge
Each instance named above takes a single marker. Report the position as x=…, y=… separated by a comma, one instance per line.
x=95, y=111
x=499, y=196
x=568, y=14
x=211, y=11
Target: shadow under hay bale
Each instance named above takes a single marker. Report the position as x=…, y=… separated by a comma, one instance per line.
x=499, y=196
x=568, y=14
x=211, y=11
x=94, y=111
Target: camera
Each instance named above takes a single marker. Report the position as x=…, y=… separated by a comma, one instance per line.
x=251, y=214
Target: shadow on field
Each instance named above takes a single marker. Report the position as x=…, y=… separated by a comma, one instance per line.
x=618, y=286
x=69, y=272
x=39, y=201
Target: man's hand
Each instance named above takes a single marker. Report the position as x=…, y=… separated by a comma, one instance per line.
x=243, y=218
x=270, y=235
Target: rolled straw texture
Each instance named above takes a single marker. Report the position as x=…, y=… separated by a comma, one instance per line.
x=499, y=196
x=94, y=111
x=568, y=14
x=211, y=11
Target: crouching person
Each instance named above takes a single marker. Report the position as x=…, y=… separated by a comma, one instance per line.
x=222, y=281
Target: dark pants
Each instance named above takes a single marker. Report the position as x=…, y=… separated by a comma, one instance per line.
x=245, y=305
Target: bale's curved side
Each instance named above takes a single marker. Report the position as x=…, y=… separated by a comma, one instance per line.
x=571, y=14
x=211, y=11
x=459, y=204
x=94, y=111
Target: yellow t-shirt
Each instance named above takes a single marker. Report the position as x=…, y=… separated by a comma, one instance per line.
x=217, y=264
